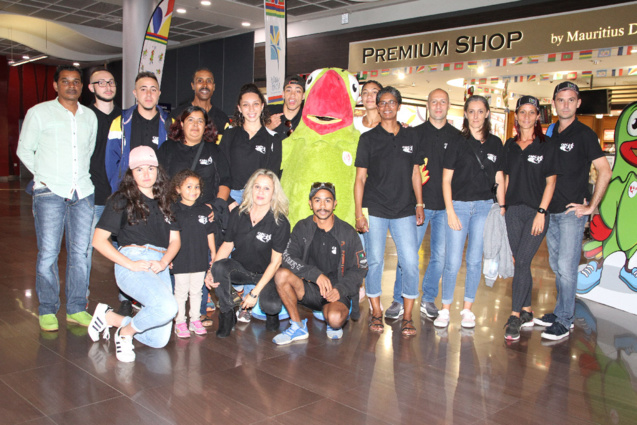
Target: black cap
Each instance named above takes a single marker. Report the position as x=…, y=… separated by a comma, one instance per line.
x=295, y=79
x=320, y=186
x=566, y=85
x=527, y=100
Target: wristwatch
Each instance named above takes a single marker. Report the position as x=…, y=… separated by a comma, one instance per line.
x=541, y=211
x=252, y=295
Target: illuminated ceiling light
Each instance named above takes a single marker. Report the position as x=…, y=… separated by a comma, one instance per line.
x=481, y=70
x=401, y=75
x=205, y=3
x=181, y=10
x=245, y=24
x=458, y=82
x=25, y=57
x=22, y=62
x=10, y=62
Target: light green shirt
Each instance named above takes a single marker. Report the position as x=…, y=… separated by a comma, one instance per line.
x=56, y=146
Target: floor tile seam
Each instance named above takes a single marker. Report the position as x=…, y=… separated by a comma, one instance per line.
x=94, y=403
x=366, y=413
x=25, y=399
x=62, y=359
x=292, y=383
x=525, y=401
x=315, y=359
x=88, y=372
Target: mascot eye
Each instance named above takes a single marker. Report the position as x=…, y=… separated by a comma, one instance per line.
x=311, y=78
x=353, y=85
x=631, y=128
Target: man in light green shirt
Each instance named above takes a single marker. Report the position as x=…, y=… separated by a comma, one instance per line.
x=56, y=144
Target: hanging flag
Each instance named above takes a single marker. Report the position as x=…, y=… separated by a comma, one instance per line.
x=632, y=71
x=495, y=80
x=458, y=66
x=275, y=50
x=586, y=54
x=373, y=74
x=486, y=63
x=472, y=64
x=420, y=69
x=571, y=76
x=362, y=75
x=545, y=77
x=587, y=74
x=154, y=47
x=533, y=59
x=516, y=60
x=617, y=72
x=483, y=81
x=604, y=53
x=551, y=57
x=531, y=78
x=501, y=62
x=384, y=72
x=620, y=51
x=433, y=68
x=568, y=56
x=446, y=67
x=601, y=73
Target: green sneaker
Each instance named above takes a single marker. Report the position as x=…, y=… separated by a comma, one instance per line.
x=82, y=318
x=49, y=323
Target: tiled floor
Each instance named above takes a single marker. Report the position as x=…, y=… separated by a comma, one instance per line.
x=438, y=377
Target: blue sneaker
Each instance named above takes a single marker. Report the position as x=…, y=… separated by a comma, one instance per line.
x=334, y=333
x=293, y=333
x=588, y=278
x=629, y=277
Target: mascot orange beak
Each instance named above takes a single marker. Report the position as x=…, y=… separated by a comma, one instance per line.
x=328, y=107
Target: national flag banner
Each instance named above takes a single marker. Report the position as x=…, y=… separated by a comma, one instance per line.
x=420, y=69
x=154, y=46
x=433, y=68
x=531, y=78
x=604, y=53
x=446, y=67
x=373, y=74
x=586, y=74
x=483, y=81
x=601, y=73
x=571, y=76
x=620, y=51
x=515, y=79
x=632, y=71
x=384, y=72
x=568, y=56
x=458, y=66
x=472, y=64
x=551, y=57
x=558, y=76
x=533, y=59
x=506, y=79
x=396, y=71
x=617, y=72
x=362, y=75
x=470, y=82
x=586, y=54
x=495, y=80
x=275, y=29
x=408, y=70
x=501, y=62
x=545, y=77
x=519, y=60
x=486, y=63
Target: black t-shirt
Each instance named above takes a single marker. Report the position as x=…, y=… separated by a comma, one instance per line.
x=325, y=254
x=253, y=245
x=144, y=132
x=98, y=159
x=469, y=182
x=527, y=170
x=195, y=228
x=155, y=230
x=389, y=160
x=577, y=147
x=283, y=129
x=432, y=145
x=212, y=165
x=246, y=155
x=218, y=117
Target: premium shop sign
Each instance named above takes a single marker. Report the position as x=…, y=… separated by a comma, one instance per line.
x=602, y=27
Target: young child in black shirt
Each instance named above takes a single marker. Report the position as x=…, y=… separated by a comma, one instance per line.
x=191, y=263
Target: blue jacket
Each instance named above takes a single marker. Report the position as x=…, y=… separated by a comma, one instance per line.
x=118, y=145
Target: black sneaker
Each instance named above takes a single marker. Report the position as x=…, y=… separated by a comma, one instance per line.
x=527, y=319
x=125, y=308
x=547, y=320
x=512, y=329
x=555, y=332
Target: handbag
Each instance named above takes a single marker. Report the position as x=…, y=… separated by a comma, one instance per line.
x=494, y=188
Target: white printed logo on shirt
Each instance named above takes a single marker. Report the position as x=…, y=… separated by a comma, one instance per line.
x=334, y=251
x=567, y=147
x=491, y=157
x=445, y=145
x=203, y=219
x=155, y=140
x=260, y=149
x=408, y=149
x=347, y=158
x=204, y=161
x=535, y=159
x=264, y=237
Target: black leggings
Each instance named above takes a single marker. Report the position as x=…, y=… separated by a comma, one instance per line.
x=228, y=272
x=519, y=221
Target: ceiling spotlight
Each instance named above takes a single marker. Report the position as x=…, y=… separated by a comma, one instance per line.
x=205, y=3
x=481, y=70
x=401, y=75
x=25, y=56
x=181, y=10
x=245, y=24
x=11, y=62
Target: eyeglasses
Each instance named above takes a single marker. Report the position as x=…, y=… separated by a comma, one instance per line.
x=104, y=83
x=322, y=185
x=391, y=103
x=288, y=124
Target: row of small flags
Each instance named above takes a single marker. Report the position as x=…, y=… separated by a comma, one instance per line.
x=519, y=60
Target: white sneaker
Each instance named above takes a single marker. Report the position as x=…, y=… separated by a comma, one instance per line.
x=442, y=321
x=468, y=319
x=98, y=323
x=124, y=349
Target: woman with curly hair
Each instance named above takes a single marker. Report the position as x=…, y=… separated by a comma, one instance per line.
x=257, y=235
x=249, y=145
x=139, y=214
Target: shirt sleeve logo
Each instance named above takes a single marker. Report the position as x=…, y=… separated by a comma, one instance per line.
x=203, y=219
x=204, y=161
x=567, y=147
x=362, y=259
x=491, y=157
x=260, y=148
x=408, y=149
x=347, y=158
x=445, y=145
x=155, y=140
x=535, y=159
x=264, y=237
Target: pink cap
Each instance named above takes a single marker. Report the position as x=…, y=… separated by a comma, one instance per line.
x=142, y=155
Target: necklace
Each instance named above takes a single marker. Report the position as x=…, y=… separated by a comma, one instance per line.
x=254, y=218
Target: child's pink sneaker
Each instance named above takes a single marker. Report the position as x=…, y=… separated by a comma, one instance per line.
x=197, y=327
x=182, y=331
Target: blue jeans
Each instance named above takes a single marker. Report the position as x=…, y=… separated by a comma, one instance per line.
x=564, y=240
x=403, y=232
x=430, y=281
x=55, y=216
x=153, y=322
x=472, y=216
x=237, y=195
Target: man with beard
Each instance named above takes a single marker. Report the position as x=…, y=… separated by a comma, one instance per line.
x=323, y=266
x=56, y=144
x=203, y=84
x=144, y=124
x=285, y=118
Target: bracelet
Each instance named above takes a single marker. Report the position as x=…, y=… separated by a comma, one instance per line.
x=420, y=205
x=541, y=210
x=503, y=206
x=358, y=218
x=252, y=295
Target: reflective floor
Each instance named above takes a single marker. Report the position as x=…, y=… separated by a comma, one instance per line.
x=438, y=377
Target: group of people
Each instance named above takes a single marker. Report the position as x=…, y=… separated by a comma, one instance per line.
x=188, y=195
